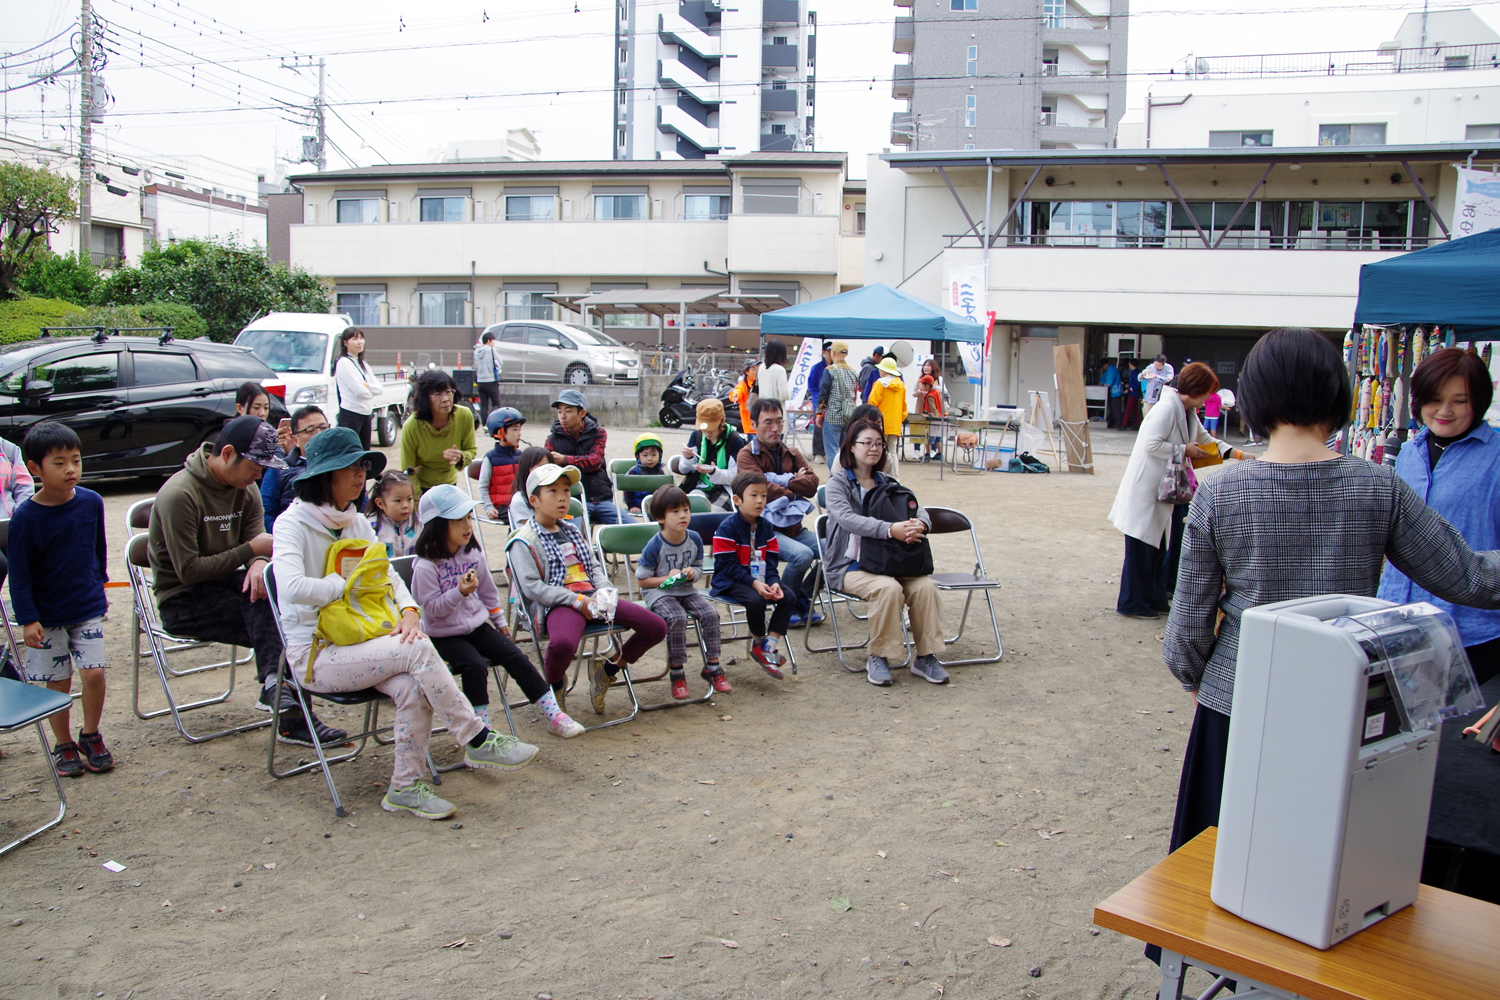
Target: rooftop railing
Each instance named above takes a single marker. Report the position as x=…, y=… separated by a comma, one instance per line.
x=1359, y=62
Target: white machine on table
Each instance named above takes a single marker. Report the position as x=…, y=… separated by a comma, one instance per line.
x=1332, y=748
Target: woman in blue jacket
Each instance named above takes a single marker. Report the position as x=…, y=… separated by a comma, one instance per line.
x=1453, y=463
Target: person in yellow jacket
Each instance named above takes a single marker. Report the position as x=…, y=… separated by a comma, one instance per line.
x=888, y=395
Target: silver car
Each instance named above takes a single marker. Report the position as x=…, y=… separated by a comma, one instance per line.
x=544, y=351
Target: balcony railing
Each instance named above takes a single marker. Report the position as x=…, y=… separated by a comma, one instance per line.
x=1358, y=62
x=779, y=56
x=1062, y=119
x=780, y=12
x=778, y=101
x=1337, y=240
x=1074, y=23
x=1052, y=69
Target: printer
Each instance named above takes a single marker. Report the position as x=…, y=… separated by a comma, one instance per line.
x=1333, y=743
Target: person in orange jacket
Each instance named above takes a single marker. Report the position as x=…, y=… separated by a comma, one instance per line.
x=742, y=393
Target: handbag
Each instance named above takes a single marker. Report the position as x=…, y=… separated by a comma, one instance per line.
x=1178, y=484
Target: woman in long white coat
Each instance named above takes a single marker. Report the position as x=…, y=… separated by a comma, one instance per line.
x=1151, y=527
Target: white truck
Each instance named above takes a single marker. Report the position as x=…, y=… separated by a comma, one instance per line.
x=301, y=348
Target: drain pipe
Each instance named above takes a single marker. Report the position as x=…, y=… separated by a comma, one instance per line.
x=1163, y=104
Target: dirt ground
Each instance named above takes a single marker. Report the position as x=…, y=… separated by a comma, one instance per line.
x=809, y=837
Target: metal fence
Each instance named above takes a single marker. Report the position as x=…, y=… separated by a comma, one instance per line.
x=1361, y=62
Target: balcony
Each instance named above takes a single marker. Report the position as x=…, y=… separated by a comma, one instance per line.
x=782, y=101
x=688, y=80
x=676, y=121
x=905, y=36
x=1075, y=23
x=904, y=3
x=902, y=82
x=679, y=30
x=777, y=142
x=1350, y=63
x=1066, y=119
x=901, y=128
x=779, y=57
x=781, y=12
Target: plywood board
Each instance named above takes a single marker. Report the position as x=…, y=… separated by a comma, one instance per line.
x=1072, y=408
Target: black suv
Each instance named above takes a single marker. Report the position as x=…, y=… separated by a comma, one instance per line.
x=139, y=405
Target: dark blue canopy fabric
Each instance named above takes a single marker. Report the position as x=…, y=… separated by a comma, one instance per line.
x=872, y=312
x=1454, y=284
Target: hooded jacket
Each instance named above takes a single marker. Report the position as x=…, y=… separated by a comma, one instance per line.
x=200, y=528
x=586, y=452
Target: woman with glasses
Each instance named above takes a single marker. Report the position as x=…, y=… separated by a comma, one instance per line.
x=863, y=461
x=439, y=439
x=276, y=485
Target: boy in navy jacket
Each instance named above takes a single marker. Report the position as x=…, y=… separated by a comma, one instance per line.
x=745, y=558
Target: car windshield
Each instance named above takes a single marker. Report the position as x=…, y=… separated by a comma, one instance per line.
x=592, y=337
x=287, y=350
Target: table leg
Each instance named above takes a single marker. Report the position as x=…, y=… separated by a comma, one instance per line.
x=1171, y=976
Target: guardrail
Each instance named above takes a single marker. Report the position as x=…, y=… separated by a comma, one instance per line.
x=387, y=362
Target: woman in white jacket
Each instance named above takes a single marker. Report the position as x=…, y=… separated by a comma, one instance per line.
x=1151, y=527
x=357, y=386
x=403, y=664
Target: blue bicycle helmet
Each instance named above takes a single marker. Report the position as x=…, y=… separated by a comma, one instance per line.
x=501, y=418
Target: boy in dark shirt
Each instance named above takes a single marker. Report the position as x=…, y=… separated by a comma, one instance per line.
x=57, y=573
x=745, y=557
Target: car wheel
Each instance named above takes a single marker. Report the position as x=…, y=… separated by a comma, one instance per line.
x=577, y=375
x=385, y=427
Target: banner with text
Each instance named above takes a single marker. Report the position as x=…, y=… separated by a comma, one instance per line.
x=967, y=291
x=1477, y=203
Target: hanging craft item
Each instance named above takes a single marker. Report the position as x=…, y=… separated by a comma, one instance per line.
x=1434, y=341
x=1418, y=347
x=1484, y=355
x=1398, y=405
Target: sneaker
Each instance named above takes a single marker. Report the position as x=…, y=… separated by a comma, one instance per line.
x=96, y=757
x=768, y=658
x=720, y=683
x=419, y=800
x=929, y=669
x=796, y=620
x=599, y=682
x=680, y=689
x=1135, y=614
x=816, y=618
x=294, y=730
x=263, y=703
x=878, y=671
x=66, y=759
x=565, y=727
x=501, y=750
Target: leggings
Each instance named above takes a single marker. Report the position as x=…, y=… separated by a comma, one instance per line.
x=565, y=627
x=469, y=657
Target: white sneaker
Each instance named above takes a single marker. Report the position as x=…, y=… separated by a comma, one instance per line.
x=500, y=750
x=419, y=800
x=565, y=727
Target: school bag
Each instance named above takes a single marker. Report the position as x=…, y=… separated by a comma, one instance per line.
x=890, y=501
x=367, y=609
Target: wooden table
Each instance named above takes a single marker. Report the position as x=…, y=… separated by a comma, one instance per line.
x=1444, y=946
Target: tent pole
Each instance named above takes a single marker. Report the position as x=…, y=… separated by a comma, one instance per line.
x=943, y=376
x=681, y=335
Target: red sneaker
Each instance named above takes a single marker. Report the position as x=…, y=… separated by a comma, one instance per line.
x=719, y=681
x=770, y=662
x=680, y=689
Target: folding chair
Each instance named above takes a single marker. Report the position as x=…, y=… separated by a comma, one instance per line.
x=23, y=705
x=160, y=643
x=593, y=633
x=824, y=592
x=628, y=541
x=471, y=480
x=946, y=521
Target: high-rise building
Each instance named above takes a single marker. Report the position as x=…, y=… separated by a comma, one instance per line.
x=698, y=78
x=1010, y=74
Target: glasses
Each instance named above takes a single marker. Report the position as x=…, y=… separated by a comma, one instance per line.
x=440, y=394
x=363, y=465
x=315, y=429
x=870, y=443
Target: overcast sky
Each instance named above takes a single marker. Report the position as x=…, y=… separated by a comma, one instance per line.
x=464, y=70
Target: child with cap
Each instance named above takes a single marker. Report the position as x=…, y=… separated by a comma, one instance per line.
x=57, y=573
x=888, y=394
x=563, y=585
x=463, y=613
x=497, y=472
x=648, y=452
x=709, y=461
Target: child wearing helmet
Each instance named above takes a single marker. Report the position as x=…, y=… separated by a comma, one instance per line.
x=648, y=453
x=497, y=472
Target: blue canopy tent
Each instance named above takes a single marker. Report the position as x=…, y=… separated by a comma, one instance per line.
x=1454, y=284
x=872, y=311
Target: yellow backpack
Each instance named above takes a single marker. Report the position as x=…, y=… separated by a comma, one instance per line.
x=367, y=609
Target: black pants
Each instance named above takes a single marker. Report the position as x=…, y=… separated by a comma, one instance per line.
x=489, y=398
x=469, y=657
x=1142, y=579
x=1114, y=412
x=755, y=608
x=1172, y=558
x=359, y=423
x=217, y=611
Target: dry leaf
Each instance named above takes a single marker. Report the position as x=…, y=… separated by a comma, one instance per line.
x=457, y=944
x=881, y=854
x=166, y=903
x=710, y=781
x=1056, y=832
x=735, y=912
x=361, y=972
x=1141, y=711
x=937, y=987
x=1001, y=843
x=269, y=866
x=573, y=880
x=248, y=868
x=725, y=718
x=1043, y=835
x=785, y=934
x=728, y=943
x=667, y=956
x=999, y=942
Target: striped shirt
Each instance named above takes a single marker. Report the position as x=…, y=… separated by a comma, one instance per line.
x=1261, y=532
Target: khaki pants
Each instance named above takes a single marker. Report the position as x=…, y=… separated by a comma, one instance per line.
x=886, y=595
x=893, y=454
x=1145, y=408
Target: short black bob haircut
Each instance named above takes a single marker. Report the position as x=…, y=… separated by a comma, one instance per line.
x=45, y=438
x=846, y=447
x=428, y=383
x=432, y=541
x=665, y=500
x=1294, y=377
x=745, y=480
x=763, y=404
x=317, y=490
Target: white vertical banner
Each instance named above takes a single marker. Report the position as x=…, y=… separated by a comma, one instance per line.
x=1476, y=206
x=801, y=368
x=967, y=291
x=973, y=358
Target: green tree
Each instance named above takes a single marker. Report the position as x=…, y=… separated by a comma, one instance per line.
x=33, y=200
x=71, y=277
x=227, y=284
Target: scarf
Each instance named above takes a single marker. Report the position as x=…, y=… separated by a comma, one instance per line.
x=324, y=516
x=551, y=548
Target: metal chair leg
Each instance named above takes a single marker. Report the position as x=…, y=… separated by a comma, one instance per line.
x=62, y=802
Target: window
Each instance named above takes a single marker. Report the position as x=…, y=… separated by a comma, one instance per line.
x=529, y=208
x=859, y=214
x=963, y=4
x=515, y=333
x=705, y=206
x=779, y=40
x=1140, y=224
x=152, y=368
x=82, y=373
x=1049, y=62
x=1054, y=13
x=527, y=305
x=107, y=245
x=445, y=308
x=619, y=206
x=971, y=62
x=1351, y=135
x=778, y=84
x=1226, y=140
x=545, y=336
x=362, y=308
x=1489, y=133
x=971, y=110
x=778, y=130
x=443, y=209
x=1455, y=62
x=358, y=210
x=772, y=195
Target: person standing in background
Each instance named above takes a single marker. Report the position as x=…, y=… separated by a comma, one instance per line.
x=838, y=394
x=868, y=373
x=357, y=385
x=487, y=374
x=814, y=377
x=1131, y=388
x=1153, y=379
x=773, y=382
x=1114, y=404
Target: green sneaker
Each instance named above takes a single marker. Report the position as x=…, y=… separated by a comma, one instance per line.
x=500, y=750
x=599, y=682
x=419, y=800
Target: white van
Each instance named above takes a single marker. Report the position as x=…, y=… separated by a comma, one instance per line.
x=301, y=348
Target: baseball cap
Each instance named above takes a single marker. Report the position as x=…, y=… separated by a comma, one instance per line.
x=446, y=501
x=571, y=397
x=254, y=439
x=709, y=413
x=750, y=363
x=544, y=474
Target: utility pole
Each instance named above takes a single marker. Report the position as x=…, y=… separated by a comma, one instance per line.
x=314, y=147
x=322, y=161
x=85, y=129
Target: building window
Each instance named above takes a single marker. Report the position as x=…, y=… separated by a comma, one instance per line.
x=619, y=206
x=1227, y=140
x=1484, y=133
x=778, y=84
x=362, y=308
x=971, y=63
x=358, y=210
x=705, y=206
x=527, y=305
x=442, y=308
x=529, y=208
x=1455, y=62
x=1351, y=135
x=963, y=4
x=772, y=196
x=778, y=130
x=1054, y=12
x=971, y=110
x=968, y=146
x=779, y=40
x=859, y=217
x=442, y=209
x=620, y=96
x=107, y=245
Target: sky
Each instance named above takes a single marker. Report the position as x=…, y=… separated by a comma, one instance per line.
x=215, y=78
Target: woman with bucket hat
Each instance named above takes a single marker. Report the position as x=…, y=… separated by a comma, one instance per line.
x=888, y=394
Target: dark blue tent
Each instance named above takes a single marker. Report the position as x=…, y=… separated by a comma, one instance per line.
x=871, y=312
x=1453, y=284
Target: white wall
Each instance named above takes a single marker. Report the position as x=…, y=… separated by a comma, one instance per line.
x=180, y=218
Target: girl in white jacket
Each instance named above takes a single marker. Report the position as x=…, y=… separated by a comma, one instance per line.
x=357, y=386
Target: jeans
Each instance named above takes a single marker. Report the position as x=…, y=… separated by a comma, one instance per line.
x=798, y=547
x=609, y=512
x=833, y=437
x=217, y=611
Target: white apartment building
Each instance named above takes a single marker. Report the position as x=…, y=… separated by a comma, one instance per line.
x=1195, y=252
x=697, y=78
x=426, y=254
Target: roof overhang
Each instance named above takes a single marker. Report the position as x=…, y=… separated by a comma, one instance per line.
x=1248, y=156
x=669, y=302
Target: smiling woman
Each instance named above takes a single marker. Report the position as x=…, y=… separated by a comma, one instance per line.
x=440, y=436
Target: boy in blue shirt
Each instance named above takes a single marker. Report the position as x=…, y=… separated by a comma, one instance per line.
x=668, y=567
x=745, y=558
x=57, y=573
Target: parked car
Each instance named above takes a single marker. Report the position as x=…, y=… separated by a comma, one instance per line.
x=543, y=351
x=139, y=406
x=301, y=348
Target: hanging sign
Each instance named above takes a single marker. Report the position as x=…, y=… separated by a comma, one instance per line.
x=967, y=291
x=1476, y=206
x=807, y=356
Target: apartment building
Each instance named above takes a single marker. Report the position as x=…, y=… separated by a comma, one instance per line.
x=426, y=254
x=1009, y=74
x=1196, y=252
x=699, y=78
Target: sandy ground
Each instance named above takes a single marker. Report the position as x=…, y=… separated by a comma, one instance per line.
x=804, y=838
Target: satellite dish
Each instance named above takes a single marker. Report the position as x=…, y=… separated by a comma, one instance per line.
x=903, y=352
